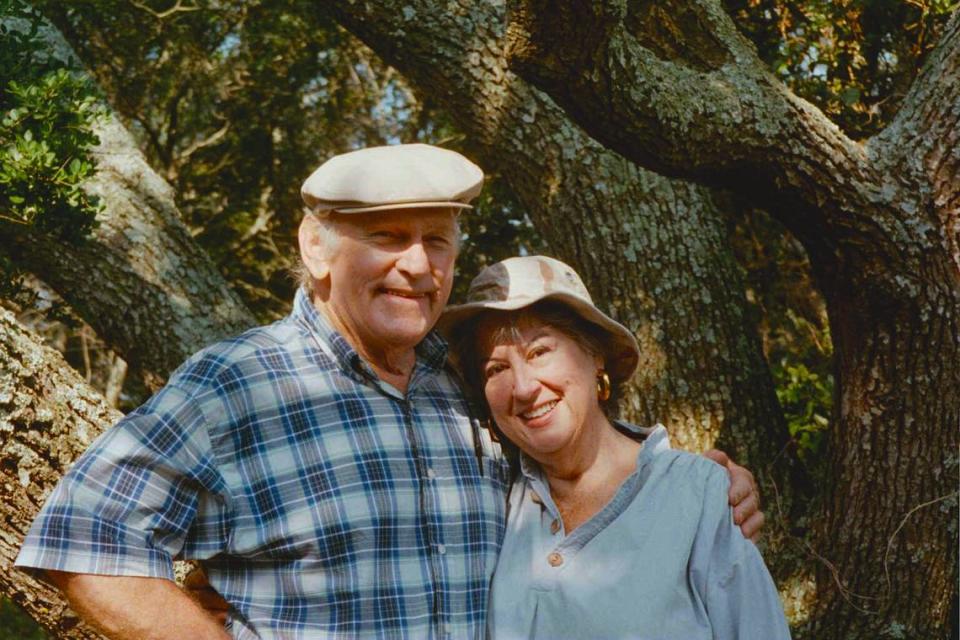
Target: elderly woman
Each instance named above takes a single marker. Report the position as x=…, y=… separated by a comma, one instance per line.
x=611, y=533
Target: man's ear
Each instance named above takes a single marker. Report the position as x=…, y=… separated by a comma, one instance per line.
x=313, y=251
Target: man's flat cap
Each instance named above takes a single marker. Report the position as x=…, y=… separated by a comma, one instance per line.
x=399, y=176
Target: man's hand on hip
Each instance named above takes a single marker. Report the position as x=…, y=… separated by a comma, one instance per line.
x=137, y=608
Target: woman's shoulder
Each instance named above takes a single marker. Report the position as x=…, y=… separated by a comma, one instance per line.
x=680, y=468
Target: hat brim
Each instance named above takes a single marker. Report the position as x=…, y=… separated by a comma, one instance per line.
x=622, y=353
x=326, y=208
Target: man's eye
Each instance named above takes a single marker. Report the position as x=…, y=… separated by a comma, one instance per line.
x=438, y=241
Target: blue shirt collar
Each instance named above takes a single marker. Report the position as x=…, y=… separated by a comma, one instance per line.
x=655, y=439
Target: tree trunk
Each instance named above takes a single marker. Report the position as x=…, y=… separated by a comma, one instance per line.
x=140, y=281
x=880, y=221
x=651, y=250
x=897, y=335
x=48, y=416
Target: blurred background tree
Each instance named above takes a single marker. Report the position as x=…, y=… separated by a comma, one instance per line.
x=234, y=103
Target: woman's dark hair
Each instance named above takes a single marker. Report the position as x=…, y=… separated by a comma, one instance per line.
x=467, y=353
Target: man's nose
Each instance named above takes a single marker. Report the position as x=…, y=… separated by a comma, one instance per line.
x=414, y=259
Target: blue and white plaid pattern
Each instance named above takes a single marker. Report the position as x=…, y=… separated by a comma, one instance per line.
x=322, y=501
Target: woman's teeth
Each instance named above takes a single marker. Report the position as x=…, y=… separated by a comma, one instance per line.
x=539, y=411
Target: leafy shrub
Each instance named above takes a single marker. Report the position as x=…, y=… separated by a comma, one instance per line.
x=47, y=112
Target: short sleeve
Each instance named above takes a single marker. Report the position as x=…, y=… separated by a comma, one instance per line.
x=740, y=597
x=144, y=491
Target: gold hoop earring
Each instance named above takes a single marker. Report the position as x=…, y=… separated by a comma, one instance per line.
x=604, y=387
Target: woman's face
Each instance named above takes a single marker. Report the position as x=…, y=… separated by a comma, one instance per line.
x=541, y=389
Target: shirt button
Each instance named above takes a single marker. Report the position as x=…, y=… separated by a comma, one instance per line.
x=555, y=559
x=441, y=549
x=535, y=497
x=555, y=526
x=431, y=473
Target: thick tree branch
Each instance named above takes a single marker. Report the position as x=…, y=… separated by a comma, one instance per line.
x=676, y=88
x=923, y=141
x=139, y=280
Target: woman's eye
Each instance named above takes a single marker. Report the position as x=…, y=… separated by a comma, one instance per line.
x=493, y=370
x=536, y=352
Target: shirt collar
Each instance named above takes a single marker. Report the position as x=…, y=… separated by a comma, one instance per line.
x=655, y=440
x=431, y=352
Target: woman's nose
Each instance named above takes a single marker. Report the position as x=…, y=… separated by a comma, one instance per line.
x=525, y=384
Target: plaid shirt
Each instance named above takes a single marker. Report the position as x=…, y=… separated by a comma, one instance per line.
x=322, y=501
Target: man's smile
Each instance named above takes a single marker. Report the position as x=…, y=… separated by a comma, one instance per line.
x=411, y=295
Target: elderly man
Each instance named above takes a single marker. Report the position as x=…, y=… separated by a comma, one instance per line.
x=325, y=468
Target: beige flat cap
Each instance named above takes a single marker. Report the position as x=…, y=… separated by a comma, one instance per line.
x=399, y=176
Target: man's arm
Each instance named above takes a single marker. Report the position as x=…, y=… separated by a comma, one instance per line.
x=136, y=608
x=743, y=495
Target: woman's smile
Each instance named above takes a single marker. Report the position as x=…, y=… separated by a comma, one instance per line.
x=540, y=411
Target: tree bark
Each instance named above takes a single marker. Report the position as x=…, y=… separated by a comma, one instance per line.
x=139, y=280
x=48, y=416
x=880, y=221
x=651, y=250
x=674, y=86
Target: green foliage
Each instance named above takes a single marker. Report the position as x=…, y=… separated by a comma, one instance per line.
x=46, y=115
x=792, y=323
x=17, y=625
x=854, y=59
x=46, y=137
x=806, y=397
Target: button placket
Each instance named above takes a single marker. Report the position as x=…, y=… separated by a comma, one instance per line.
x=428, y=493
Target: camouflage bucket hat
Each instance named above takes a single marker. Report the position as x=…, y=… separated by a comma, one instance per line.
x=516, y=283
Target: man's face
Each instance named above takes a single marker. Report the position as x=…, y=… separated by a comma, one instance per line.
x=390, y=275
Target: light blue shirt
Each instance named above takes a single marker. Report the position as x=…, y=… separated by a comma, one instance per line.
x=662, y=560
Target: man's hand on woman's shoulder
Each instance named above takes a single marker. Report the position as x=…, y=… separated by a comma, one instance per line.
x=744, y=495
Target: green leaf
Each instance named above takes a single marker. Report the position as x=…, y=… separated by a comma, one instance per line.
x=850, y=96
